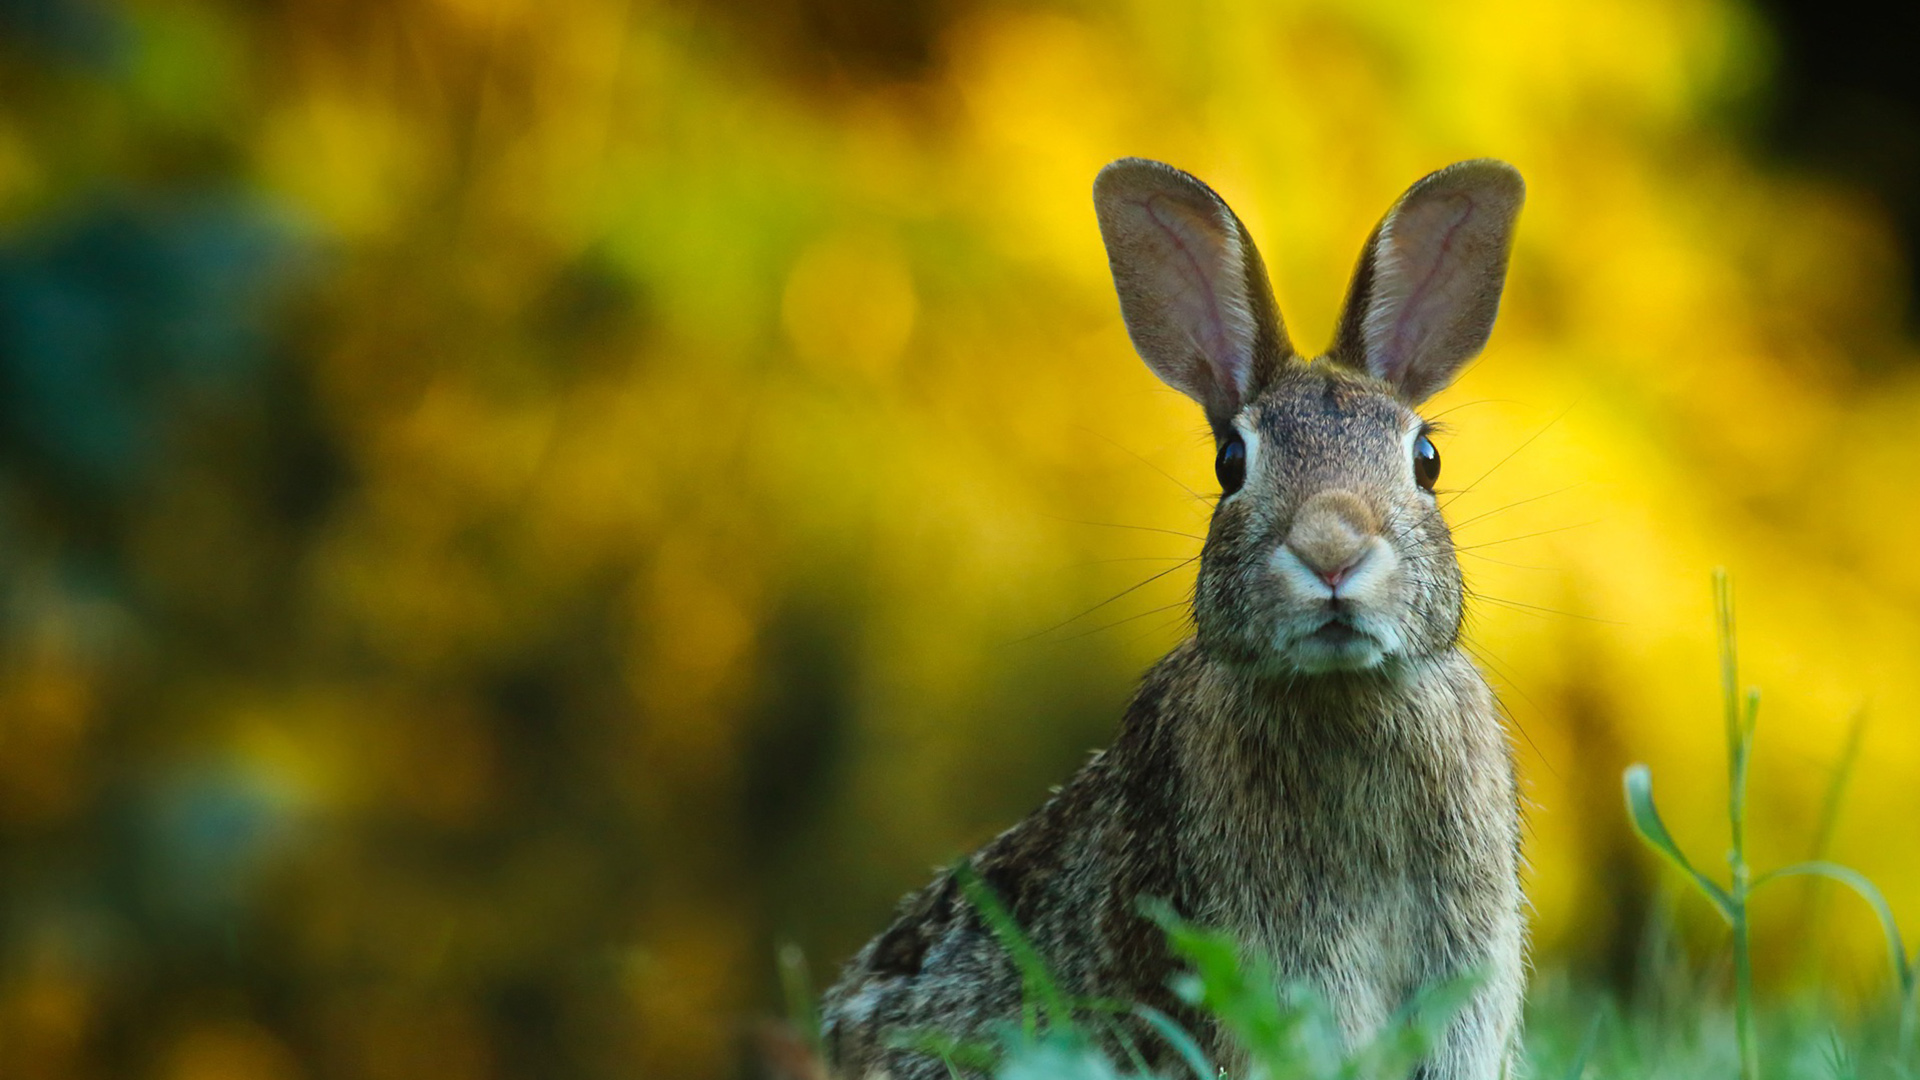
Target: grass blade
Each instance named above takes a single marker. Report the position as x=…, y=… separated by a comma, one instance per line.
x=1587, y=1043
x=1646, y=821
x=1859, y=883
x=1177, y=1037
x=1837, y=785
x=797, y=986
x=1040, y=986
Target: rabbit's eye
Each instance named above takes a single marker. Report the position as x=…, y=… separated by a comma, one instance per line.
x=1426, y=463
x=1230, y=465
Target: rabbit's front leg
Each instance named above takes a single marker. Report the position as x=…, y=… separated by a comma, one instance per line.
x=1482, y=1043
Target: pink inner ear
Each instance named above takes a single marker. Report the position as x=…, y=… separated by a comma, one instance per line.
x=1205, y=276
x=1418, y=286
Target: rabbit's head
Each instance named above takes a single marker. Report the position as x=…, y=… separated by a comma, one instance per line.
x=1327, y=550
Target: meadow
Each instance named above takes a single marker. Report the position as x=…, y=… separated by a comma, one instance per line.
x=512, y=511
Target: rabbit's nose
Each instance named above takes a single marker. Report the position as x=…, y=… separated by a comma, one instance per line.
x=1331, y=534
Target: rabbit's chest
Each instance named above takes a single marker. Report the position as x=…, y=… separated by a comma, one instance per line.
x=1359, y=875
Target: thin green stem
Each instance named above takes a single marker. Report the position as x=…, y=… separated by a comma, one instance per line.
x=1904, y=1042
x=1743, y=999
x=1738, y=732
x=1813, y=898
x=1739, y=746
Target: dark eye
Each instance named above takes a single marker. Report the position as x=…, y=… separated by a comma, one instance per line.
x=1426, y=463
x=1230, y=465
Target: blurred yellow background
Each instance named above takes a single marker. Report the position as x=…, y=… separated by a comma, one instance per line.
x=511, y=510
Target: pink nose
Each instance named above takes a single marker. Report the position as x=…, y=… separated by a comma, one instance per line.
x=1334, y=577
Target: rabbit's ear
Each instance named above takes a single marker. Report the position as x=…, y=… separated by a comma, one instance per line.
x=1428, y=284
x=1192, y=288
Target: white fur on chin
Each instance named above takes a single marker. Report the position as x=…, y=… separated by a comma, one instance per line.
x=1368, y=594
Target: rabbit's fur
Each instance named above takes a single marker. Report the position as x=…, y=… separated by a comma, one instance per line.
x=1320, y=770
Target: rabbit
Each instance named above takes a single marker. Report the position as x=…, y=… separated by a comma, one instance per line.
x=1319, y=770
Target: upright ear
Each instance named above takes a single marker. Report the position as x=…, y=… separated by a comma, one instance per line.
x=1428, y=284
x=1192, y=288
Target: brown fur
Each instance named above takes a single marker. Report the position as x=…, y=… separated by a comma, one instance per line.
x=1322, y=774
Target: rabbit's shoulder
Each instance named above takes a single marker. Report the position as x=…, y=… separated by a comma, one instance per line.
x=1071, y=875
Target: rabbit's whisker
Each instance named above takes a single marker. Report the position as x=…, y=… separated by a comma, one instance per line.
x=1506, y=674
x=1528, y=536
x=1184, y=618
x=1137, y=528
x=1141, y=458
x=1520, y=605
x=1129, y=559
x=1137, y=586
x=1518, y=502
x=1121, y=622
x=1515, y=565
x=1436, y=417
x=1510, y=455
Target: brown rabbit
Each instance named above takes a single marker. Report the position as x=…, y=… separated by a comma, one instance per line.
x=1320, y=770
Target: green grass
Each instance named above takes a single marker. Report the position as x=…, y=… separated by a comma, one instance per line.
x=1287, y=1031
x=1733, y=900
x=1677, y=1022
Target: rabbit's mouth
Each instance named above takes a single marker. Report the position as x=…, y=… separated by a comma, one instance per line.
x=1337, y=633
x=1337, y=644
